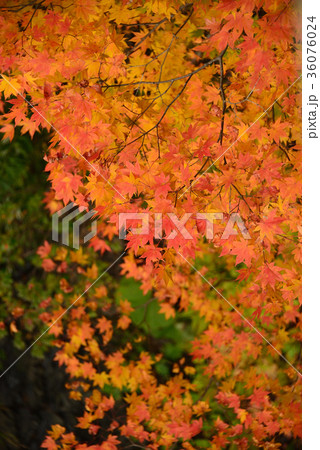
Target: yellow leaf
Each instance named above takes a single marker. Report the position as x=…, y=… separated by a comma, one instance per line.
x=9, y=86
x=79, y=257
x=8, y=131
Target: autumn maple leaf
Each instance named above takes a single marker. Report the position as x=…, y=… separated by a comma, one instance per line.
x=269, y=275
x=8, y=131
x=44, y=249
x=269, y=226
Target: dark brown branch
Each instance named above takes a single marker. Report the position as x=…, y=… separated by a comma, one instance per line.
x=161, y=118
x=174, y=36
x=242, y=197
x=149, y=106
x=202, y=167
x=222, y=94
x=146, y=36
x=33, y=14
x=139, y=24
x=285, y=152
x=181, y=77
x=16, y=8
x=158, y=142
x=224, y=107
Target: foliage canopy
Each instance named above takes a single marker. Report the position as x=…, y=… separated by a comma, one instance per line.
x=172, y=107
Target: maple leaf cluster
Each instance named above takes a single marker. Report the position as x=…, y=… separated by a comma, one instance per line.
x=170, y=107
